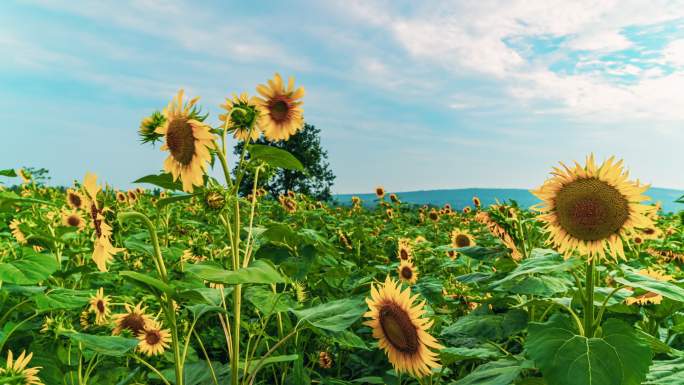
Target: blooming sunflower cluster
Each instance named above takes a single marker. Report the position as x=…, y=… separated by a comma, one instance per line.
x=591, y=208
x=400, y=327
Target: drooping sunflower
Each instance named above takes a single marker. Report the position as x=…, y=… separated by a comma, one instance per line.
x=394, y=198
x=99, y=304
x=134, y=320
x=407, y=272
x=153, y=339
x=280, y=111
x=289, y=204
x=73, y=219
x=404, y=250
x=461, y=238
x=188, y=141
x=75, y=199
x=103, y=250
x=401, y=329
x=17, y=370
x=590, y=208
x=241, y=117
x=16, y=231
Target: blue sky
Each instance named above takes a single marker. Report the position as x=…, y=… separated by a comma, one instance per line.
x=410, y=95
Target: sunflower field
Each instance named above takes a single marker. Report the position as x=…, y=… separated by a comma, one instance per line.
x=185, y=281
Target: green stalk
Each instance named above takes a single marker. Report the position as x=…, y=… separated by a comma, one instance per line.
x=237, y=299
x=589, y=301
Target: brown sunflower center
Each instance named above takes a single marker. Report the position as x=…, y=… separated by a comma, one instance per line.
x=462, y=240
x=398, y=329
x=434, y=216
x=75, y=200
x=181, y=140
x=73, y=220
x=100, y=306
x=406, y=272
x=379, y=192
x=121, y=197
x=152, y=337
x=279, y=109
x=403, y=254
x=590, y=209
x=133, y=322
x=649, y=231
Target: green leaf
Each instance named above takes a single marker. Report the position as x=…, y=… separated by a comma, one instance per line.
x=259, y=272
x=666, y=289
x=164, y=181
x=488, y=326
x=268, y=302
x=450, y=355
x=502, y=372
x=334, y=316
x=666, y=372
x=268, y=361
x=31, y=268
x=176, y=198
x=61, y=299
x=114, y=346
x=275, y=157
x=483, y=253
x=201, y=309
x=541, y=261
x=8, y=199
x=8, y=172
x=147, y=281
x=565, y=358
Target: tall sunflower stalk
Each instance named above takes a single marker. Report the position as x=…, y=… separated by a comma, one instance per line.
x=190, y=142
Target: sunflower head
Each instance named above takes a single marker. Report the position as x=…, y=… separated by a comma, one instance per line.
x=99, y=305
x=407, y=272
x=132, y=196
x=148, y=127
x=592, y=207
x=241, y=117
x=433, y=215
x=289, y=204
x=460, y=238
x=401, y=329
x=188, y=141
x=394, y=198
x=325, y=360
x=73, y=219
x=153, y=340
x=476, y=202
x=134, y=320
x=214, y=199
x=280, y=111
x=121, y=197
x=380, y=192
x=75, y=199
x=404, y=250
x=467, y=210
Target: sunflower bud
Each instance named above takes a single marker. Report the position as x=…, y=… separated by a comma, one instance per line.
x=148, y=127
x=214, y=200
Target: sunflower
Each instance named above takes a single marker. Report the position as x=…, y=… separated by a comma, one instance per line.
x=134, y=320
x=121, y=197
x=325, y=360
x=466, y=210
x=591, y=208
x=241, y=116
x=103, y=250
x=389, y=213
x=476, y=202
x=380, y=192
x=188, y=141
x=16, y=231
x=407, y=272
x=153, y=339
x=461, y=238
x=132, y=196
x=649, y=297
x=99, y=304
x=394, y=198
x=280, y=111
x=74, y=199
x=73, y=219
x=401, y=330
x=289, y=204
x=651, y=233
x=17, y=370
x=433, y=215
x=140, y=191
x=404, y=250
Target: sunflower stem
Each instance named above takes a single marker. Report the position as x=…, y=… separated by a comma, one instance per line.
x=589, y=301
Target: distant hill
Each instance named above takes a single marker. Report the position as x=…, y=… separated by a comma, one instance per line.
x=459, y=198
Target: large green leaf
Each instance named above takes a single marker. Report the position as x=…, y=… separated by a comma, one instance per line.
x=450, y=354
x=488, y=326
x=173, y=199
x=147, y=281
x=62, y=299
x=275, y=157
x=268, y=302
x=259, y=271
x=164, y=180
x=566, y=358
x=541, y=261
x=666, y=289
x=483, y=253
x=666, y=372
x=502, y=372
x=31, y=268
x=107, y=345
x=333, y=316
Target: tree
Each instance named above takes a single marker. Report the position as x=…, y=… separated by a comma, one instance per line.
x=305, y=145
